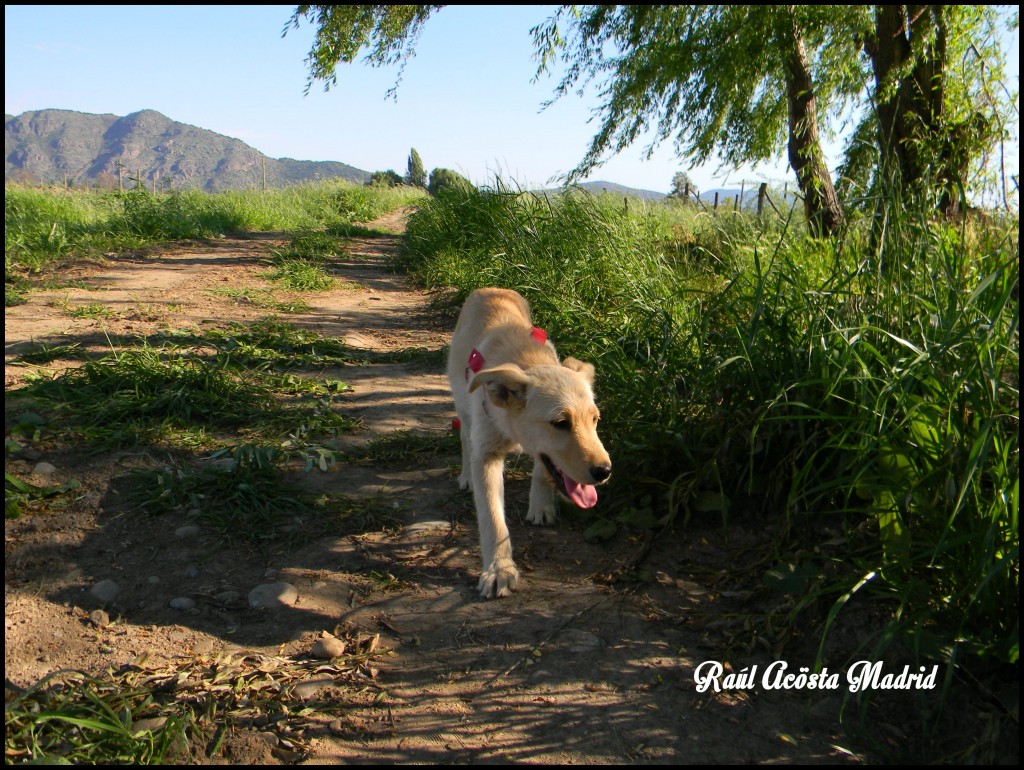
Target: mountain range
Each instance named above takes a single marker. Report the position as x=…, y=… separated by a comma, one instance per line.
x=85, y=149
x=51, y=146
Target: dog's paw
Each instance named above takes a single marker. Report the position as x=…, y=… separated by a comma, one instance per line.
x=545, y=513
x=464, y=482
x=498, y=579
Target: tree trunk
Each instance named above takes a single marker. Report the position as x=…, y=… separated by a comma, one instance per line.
x=821, y=204
x=918, y=150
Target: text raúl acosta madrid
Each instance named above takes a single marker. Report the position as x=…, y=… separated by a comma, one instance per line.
x=862, y=675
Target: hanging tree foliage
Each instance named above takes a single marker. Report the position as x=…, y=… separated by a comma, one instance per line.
x=744, y=83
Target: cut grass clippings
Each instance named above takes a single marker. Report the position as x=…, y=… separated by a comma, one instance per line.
x=181, y=712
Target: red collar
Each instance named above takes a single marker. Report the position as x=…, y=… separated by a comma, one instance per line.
x=476, y=361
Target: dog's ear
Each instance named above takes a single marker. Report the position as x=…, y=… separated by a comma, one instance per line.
x=506, y=385
x=587, y=370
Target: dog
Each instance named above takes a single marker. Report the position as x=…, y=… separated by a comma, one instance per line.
x=512, y=393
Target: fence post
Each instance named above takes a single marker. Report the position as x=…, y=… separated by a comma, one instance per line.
x=264, y=173
x=716, y=200
x=762, y=191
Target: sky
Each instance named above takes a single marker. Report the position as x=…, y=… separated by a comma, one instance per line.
x=467, y=100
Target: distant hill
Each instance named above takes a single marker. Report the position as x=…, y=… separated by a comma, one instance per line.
x=612, y=189
x=44, y=145
x=726, y=196
x=618, y=189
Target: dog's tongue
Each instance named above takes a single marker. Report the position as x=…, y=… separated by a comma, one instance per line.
x=584, y=495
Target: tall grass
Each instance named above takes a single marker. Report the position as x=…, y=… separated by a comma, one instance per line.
x=745, y=370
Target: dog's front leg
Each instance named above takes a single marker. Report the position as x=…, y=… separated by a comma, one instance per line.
x=543, y=505
x=499, y=574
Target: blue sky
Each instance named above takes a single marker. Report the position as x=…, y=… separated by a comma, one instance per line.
x=466, y=100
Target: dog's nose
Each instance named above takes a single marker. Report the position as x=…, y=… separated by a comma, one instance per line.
x=600, y=472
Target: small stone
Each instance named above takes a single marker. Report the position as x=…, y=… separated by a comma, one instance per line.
x=189, y=530
x=192, y=572
x=271, y=739
x=270, y=573
x=228, y=597
x=273, y=596
x=327, y=647
x=578, y=640
x=44, y=469
x=308, y=689
x=153, y=580
x=150, y=725
x=182, y=603
x=105, y=591
x=99, y=618
x=427, y=527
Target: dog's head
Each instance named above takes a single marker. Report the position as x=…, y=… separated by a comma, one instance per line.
x=550, y=411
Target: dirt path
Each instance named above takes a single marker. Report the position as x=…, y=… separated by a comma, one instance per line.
x=566, y=670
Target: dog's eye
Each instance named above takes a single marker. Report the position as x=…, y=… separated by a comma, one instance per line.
x=562, y=423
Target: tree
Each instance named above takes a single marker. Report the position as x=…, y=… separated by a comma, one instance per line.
x=682, y=186
x=446, y=179
x=388, y=178
x=415, y=174
x=342, y=31
x=739, y=82
x=932, y=121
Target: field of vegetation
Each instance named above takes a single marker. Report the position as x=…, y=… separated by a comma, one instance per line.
x=43, y=228
x=863, y=388
x=749, y=371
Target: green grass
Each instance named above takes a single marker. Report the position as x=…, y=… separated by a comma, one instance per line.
x=94, y=310
x=408, y=449
x=149, y=395
x=262, y=298
x=44, y=228
x=300, y=274
x=20, y=494
x=748, y=373
x=242, y=493
x=43, y=353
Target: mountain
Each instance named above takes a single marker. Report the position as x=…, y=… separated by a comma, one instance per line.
x=44, y=145
x=618, y=189
x=611, y=188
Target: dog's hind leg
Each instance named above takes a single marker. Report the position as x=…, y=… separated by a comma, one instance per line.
x=543, y=505
x=465, y=437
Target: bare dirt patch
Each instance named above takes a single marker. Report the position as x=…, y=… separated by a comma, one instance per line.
x=570, y=669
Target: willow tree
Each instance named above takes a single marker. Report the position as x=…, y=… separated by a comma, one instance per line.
x=739, y=83
x=937, y=79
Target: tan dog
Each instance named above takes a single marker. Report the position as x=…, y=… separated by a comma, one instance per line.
x=512, y=393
